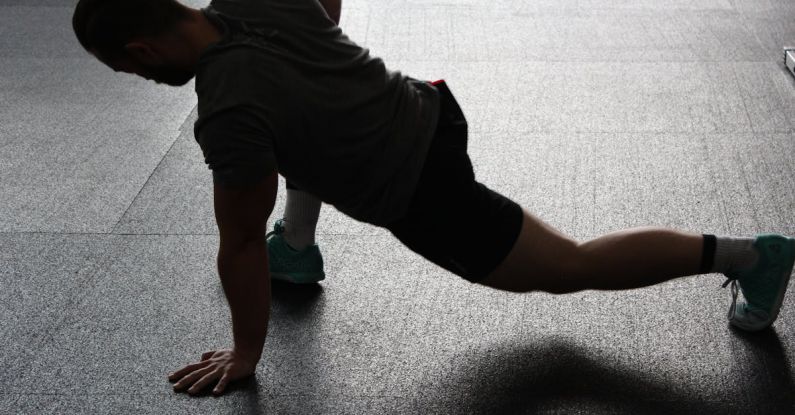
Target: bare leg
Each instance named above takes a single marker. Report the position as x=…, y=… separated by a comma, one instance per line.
x=544, y=259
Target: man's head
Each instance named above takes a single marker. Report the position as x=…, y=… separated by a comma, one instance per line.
x=159, y=40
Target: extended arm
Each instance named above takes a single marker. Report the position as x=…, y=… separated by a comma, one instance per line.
x=241, y=215
x=333, y=9
x=243, y=260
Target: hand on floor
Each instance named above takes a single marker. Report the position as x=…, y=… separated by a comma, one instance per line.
x=221, y=366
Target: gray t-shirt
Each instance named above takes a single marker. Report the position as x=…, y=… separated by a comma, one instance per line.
x=285, y=90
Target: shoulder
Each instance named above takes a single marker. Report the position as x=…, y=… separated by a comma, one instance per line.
x=237, y=67
x=237, y=62
x=234, y=77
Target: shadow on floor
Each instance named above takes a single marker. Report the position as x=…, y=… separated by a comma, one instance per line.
x=296, y=298
x=554, y=375
x=770, y=385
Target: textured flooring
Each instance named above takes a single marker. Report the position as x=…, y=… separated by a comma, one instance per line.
x=596, y=115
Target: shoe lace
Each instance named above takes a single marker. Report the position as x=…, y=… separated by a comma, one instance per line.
x=278, y=229
x=734, y=291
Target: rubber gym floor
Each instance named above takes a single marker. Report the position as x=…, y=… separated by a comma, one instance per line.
x=595, y=115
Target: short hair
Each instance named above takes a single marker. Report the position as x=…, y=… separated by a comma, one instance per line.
x=107, y=25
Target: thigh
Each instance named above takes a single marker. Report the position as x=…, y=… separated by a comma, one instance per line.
x=468, y=233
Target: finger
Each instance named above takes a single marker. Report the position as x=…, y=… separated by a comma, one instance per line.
x=207, y=355
x=198, y=386
x=189, y=379
x=219, y=388
x=187, y=369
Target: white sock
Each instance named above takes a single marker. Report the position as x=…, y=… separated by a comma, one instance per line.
x=734, y=254
x=300, y=219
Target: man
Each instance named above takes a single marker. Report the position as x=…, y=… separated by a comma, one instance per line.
x=281, y=90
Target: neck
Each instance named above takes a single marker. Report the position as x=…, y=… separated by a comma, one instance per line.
x=199, y=33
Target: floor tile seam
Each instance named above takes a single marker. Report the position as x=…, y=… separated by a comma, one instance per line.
x=172, y=234
x=385, y=236
x=475, y=129
x=789, y=165
x=745, y=104
x=43, y=6
x=514, y=59
x=782, y=99
x=366, y=39
x=148, y=179
x=590, y=62
x=185, y=126
x=747, y=20
x=748, y=193
x=166, y=394
x=103, y=233
x=713, y=174
x=508, y=59
x=49, y=233
x=370, y=236
x=317, y=395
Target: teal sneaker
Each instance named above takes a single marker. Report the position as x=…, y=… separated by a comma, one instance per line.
x=764, y=285
x=287, y=264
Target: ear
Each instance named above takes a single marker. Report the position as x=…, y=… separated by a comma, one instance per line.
x=143, y=52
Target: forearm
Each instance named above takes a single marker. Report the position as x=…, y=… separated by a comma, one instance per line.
x=246, y=282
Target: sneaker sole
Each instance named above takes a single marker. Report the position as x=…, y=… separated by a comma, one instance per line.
x=298, y=278
x=782, y=291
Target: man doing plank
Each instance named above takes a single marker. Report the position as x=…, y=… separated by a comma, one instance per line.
x=282, y=90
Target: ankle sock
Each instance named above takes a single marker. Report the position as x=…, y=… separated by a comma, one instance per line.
x=728, y=254
x=300, y=219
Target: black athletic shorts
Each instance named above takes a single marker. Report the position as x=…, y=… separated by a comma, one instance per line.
x=454, y=221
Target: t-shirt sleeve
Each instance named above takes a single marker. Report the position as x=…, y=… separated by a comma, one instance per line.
x=237, y=147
